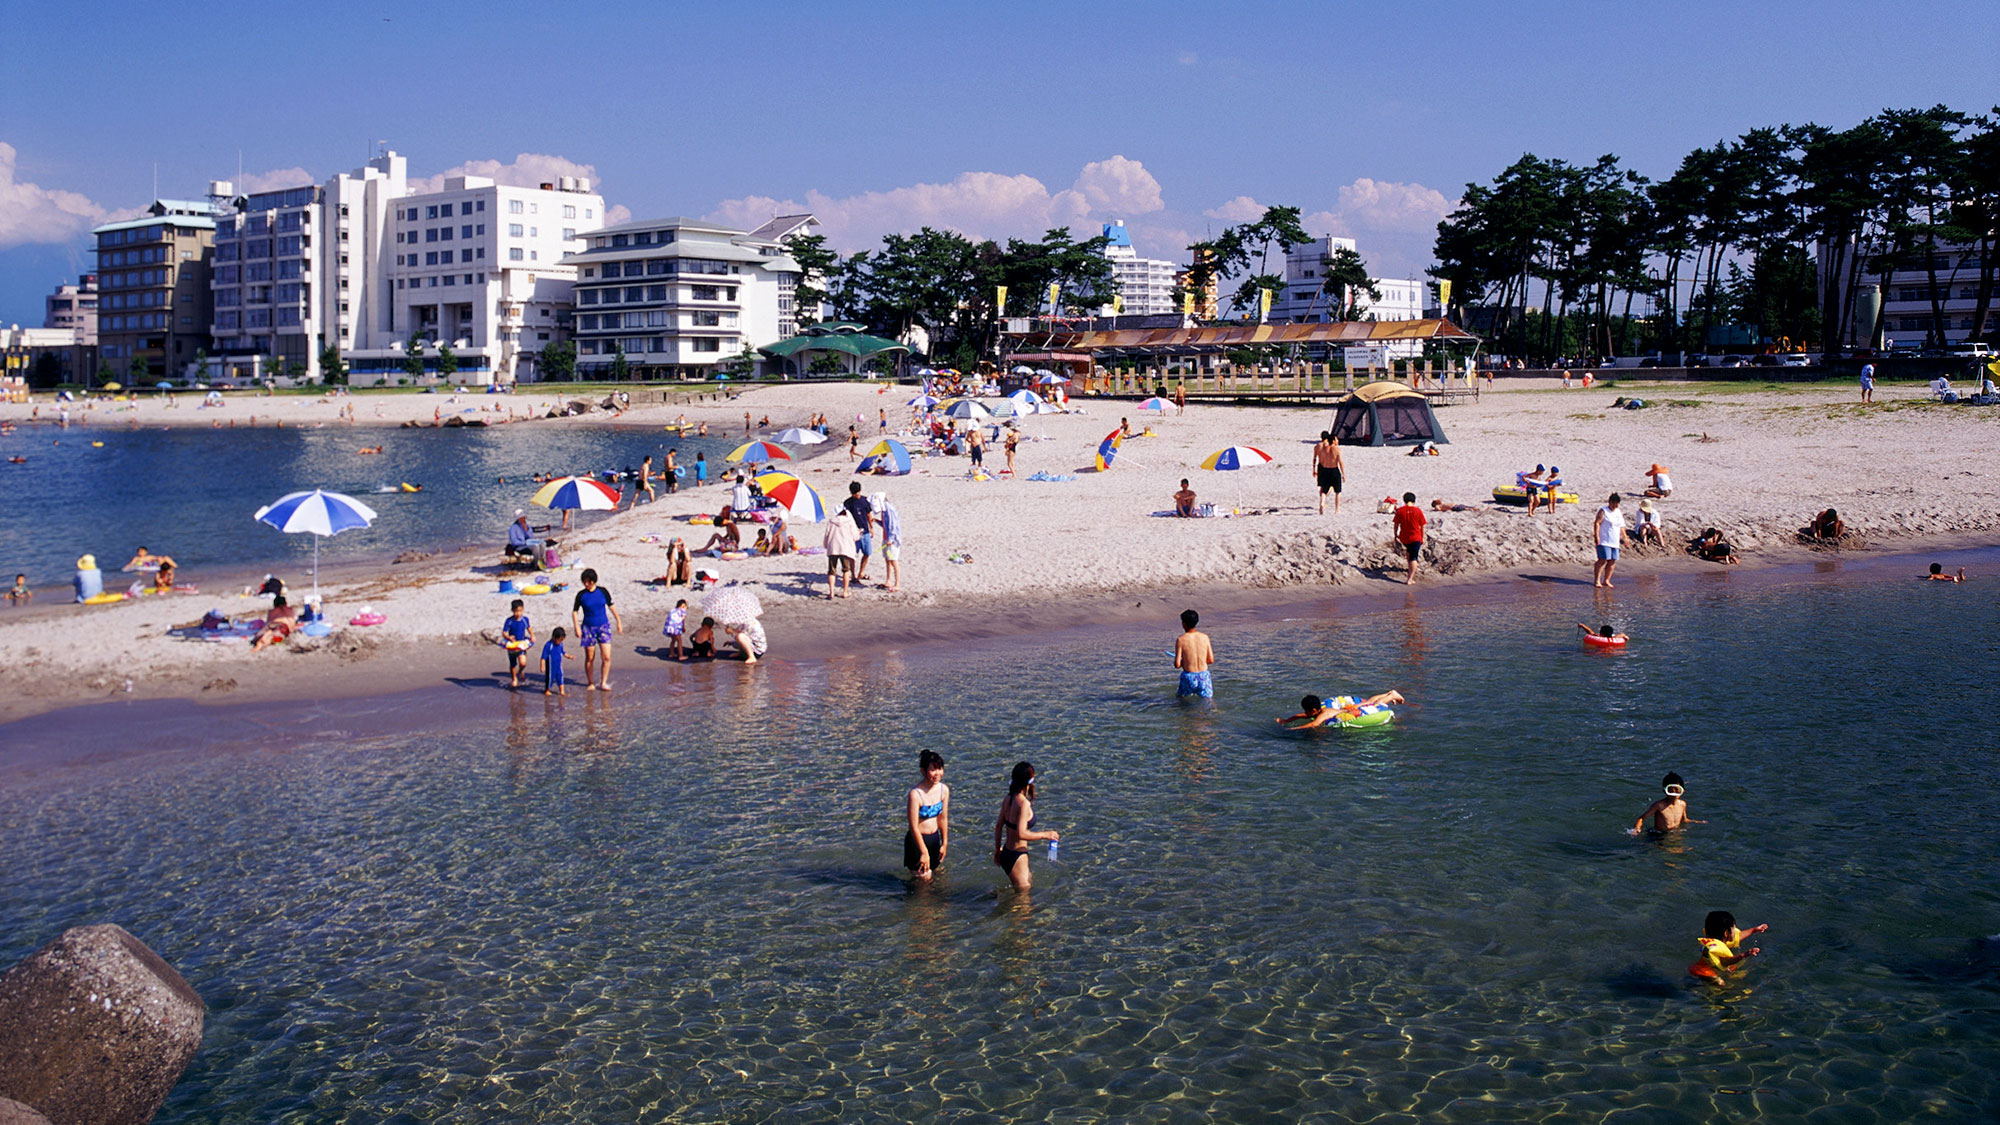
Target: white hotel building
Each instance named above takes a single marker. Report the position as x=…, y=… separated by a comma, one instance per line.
x=1303, y=302
x=678, y=296
x=1145, y=284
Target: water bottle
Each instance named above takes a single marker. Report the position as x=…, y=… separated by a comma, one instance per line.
x=1052, y=849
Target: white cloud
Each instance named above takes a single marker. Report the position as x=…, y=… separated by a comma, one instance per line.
x=31, y=213
x=527, y=169
x=1119, y=185
x=1241, y=209
x=1188, y=58
x=1393, y=224
x=273, y=180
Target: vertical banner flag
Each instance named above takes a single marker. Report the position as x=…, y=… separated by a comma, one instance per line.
x=1444, y=294
x=1118, y=302
x=1263, y=305
x=1055, y=296
x=1187, y=302
x=1000, y=301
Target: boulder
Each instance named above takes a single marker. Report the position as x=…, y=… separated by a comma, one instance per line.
x=14, y=1113
x=95, y=1029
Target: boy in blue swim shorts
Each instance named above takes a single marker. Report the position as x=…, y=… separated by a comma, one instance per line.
x=1193, y=655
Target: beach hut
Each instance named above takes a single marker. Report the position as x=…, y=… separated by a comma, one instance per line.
x=1386, y=413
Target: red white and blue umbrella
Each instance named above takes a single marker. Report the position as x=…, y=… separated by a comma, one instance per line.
x=1107, y=450
x=1236, y=457
x=577, y=494
x=318, y=512
x=759, y=451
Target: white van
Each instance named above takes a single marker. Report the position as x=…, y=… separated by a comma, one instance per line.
x=1970, y=349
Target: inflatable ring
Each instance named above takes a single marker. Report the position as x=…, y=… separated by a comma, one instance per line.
x=536, y=588
x=517, y=646
x=1598, y=641
x=103, y=599
x=367, y=619
x=703, y=521
x=1366, y=719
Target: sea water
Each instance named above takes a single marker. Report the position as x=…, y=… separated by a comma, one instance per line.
x=690, y=906
x=191, y=492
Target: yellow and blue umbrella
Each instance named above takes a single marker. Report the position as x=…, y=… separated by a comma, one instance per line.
x=1107, y=449
x=793, y=496
x=577, y=494
x=758, y=451
x=1235, y=457
x=888, y=452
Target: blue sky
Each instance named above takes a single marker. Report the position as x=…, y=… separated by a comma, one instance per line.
x=992, y=118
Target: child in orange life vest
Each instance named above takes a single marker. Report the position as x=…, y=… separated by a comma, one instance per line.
x=1719, y=941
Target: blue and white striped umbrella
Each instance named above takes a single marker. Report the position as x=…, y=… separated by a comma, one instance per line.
x=319, y=512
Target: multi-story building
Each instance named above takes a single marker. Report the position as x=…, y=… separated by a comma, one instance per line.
x=153, y=288
x=44, y=357
x=677, y=296
x=791, y=318
x=299, y=269
x=1910, y=321
x=1306, y=300
x=74, y=306
x=1145, y=285
x=477, y=267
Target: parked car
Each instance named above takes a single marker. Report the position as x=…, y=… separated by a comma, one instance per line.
x=1764, y=361
x=1731, y=361
x=1795, y=359
x=1970, y=349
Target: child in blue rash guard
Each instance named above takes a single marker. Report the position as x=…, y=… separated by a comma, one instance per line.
x=552, y=658
x=518, y=634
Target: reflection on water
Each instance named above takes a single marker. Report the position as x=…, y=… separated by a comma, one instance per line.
x=691, y=904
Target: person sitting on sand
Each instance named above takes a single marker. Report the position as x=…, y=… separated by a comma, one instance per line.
x=763, y=544
x=1712, y=546
x=680, y=567
x=1184, y=500
x=520, y=539
x=1318, y=712
x=1669, y=812
x=278, y=625
x=163, y=578
x=1440, y=505
x=701, y=642
x=1648, y=530
x=20, y=594
x=1661, y=487
x=1827, y=526
x=1720, y=939
x=1937, y=574
x=781, y=542
x=1537, y=486
x=728, y=538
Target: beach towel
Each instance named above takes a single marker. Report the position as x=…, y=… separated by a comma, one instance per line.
x=1053, y=478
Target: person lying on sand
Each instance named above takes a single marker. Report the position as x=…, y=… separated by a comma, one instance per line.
x=278, y=625
x=1318, y=712
x=1446, y=506
x=1712, y=546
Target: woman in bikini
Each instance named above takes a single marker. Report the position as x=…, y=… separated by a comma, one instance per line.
x=929, y=836
x=1014, y=830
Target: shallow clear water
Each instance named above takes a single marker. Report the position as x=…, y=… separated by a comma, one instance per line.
x=691, y=907
x=190, y=493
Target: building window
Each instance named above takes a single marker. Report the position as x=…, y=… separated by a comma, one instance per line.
x=513, y=230
x=587, y=322
x=514, y=207
x=708, y=344
x=569, y=211
x=480, y=254
x=431, y=212
x=590, y=271
x=569, y=233
x=514, y=253
x=635, y=293
x=451, y=279
x=465, y=255
x=534, y=232
x=534, y=255
x=587, y=297
x=465, y=208
x=430, y=234
x=465, y=231
x=430, y=258
x=656, y=292
x=444, y=234
x=479, y=205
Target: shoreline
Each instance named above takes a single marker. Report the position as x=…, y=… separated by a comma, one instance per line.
x=373, y=697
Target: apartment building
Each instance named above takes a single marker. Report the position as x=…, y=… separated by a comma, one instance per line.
x=1305, y=301
x=677, y=296
x=792, y=318
x=299, y=269
x=153, y=288
x=478, y=267
x=1910, y=321
x=74, y=306
x=1145, y=285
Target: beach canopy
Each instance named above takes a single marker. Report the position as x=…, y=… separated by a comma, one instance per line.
x=799, y=435
x=319, y=512
x=1386, y=413
x=1157, y=403
x=890, y=453
x=794, y=497
x=1107, y=450
x=1236, y=457
x=577, y=494
x=758, y=451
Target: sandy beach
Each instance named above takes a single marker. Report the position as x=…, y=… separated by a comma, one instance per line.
x=1755, y=463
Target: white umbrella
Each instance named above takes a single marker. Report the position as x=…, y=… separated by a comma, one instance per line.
x=733, y=605
x=319, y=512
x=799, y=436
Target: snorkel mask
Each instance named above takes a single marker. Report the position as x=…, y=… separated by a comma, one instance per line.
x=1676, y=791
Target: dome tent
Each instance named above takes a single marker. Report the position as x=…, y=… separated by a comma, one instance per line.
x=1386, y=413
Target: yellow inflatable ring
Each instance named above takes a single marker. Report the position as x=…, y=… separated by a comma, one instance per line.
x=537, y=588
x=103, y=599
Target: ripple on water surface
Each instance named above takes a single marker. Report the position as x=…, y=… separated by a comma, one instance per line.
x=694, y=910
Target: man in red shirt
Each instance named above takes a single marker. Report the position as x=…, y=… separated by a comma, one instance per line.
x=1410, y=533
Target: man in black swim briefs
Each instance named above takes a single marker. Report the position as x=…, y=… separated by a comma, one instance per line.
x=1327, y=469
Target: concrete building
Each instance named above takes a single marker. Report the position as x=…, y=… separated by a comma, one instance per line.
x=1304, y=301
x=477, y=267
x=46, y=356
x=1908, y=316
x=299, y=269
x=1145, y=285
x=74, y=306
x=782, y=230
x=153, y=280
x=678, y=296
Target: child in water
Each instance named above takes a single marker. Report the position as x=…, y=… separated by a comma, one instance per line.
x=1318, y=712
x=1604, y=632
x=1669, y=812
x=1719, y=941
x=552, y=658
x=1937, y=574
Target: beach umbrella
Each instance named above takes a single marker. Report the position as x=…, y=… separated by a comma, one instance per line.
x=794, y=497
x=968, y=410
x=578, y=494
x=758, y=451
x=1157, y=403
x=1028, y=397
x=1023, y=369
x=1107, y=450
x=319, y=512
x=798, y=435
x=1050, y=379
x=922, y=400
x=1236, y=457
x=888, y=452
x=732, y=605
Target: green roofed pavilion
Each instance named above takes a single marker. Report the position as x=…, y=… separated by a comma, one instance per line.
x=843, y=341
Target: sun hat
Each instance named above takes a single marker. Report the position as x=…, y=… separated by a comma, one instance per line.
x=1657, y=468
x=1645, y=505
x=87, y=562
